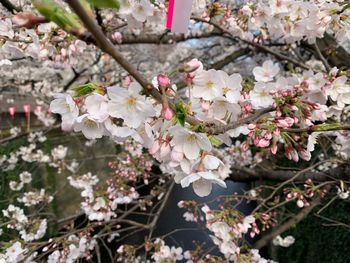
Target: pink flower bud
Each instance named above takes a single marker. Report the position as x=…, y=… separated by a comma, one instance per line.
x=294, y=108
x=64, y=52
x=268, y=136
x=274, y=148
x=117, y=37
x=26, y=108
x=256, y=141
x=248, y=107
x=263, y=143
x=191, y=66
x=27, y=19
x=181, y=204
x=244, y=147
x=282, y=123
x=163, y=81
x=289, y=120
x=308, y=122
x=300, y=203
x=295, y=156
x=167, y=113
x=277, y=132
x=12, y=111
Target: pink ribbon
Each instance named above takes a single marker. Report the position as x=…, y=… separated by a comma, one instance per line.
x=169, y=20
x=179, y=13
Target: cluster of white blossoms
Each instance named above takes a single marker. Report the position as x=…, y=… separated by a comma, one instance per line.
x=283, y=242
x=165, y=253
x=226, y=235
x=13, y=254
x=29, y=228
x=77, y=247
x=291, y=20
x=36, y=43
x=213, y=97
x=101, y=207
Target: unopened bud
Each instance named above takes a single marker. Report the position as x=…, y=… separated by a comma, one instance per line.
x=117, y=37
x=27, y=19
x=163, y=81
x=191, y=66
x=167, y=113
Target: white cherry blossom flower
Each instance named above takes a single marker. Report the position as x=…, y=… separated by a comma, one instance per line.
x=25, y=177
x=231, y=86
x=64, y=105
x=206, y=85
x=129, y=105
x=267, y=72
x=96, y=106
x=260, y=97
x=338, y=87
x=89, y=127
x=188, y=142
x=15, y=253
x=202, y=182
x=141, y=10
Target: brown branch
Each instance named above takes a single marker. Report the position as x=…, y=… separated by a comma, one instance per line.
x=105, y=45
x=243, y=174
x=315, y=129
x=211, y=129
x=156, y=39
x=285, y=226
x=251, y=43
x=161, y=208
x=10, y=7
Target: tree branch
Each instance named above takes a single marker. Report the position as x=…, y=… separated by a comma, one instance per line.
x=211, y=129
x=10, y=7
x=251, y=43
x=284, y=227
x=244, y=174
x=106, y=46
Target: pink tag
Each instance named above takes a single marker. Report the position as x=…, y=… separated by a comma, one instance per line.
x=26, y=108
x=179, y=14
x=12, y=111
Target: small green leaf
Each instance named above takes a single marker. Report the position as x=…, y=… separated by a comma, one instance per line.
x=68, y=21
x=215, y=141
x=105, y=3
x=181, y=113
x=85, y=89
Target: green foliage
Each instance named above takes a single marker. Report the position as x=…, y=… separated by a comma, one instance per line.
x=181, y=112
x=85, y=89
x=215, y=141
x=105, y=3
x=54, y=12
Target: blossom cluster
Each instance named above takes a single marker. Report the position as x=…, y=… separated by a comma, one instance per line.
x=213, y=97
x=286, y=21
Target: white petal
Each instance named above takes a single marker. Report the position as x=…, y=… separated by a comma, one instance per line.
x=202, y=187
x=203, y=142
x=191, y=150
x=211, y=162
x=186, y=181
